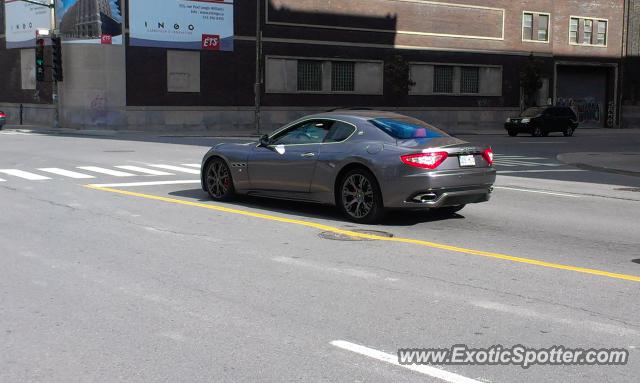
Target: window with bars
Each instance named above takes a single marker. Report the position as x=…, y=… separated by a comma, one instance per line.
x=527, y=26
x=343, y=76
x=574, y=26
x=602, y=33
x=588, y=32
x=442, y=79
x=543, y=28
x=309, y=76
x=469, y=79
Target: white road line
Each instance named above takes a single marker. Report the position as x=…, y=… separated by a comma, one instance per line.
x=115, y=173
x=134, y=184
x=525, y=163
x=177, y=169
x=538, y=192
x=520, y=157
x=144, y=170
x=193, y=165
x=1, y=180
x=66, y=173
x=23, y=174
x=393, y=359
x=541, y=171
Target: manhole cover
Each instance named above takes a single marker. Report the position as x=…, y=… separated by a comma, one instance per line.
x=345, y=237
x=637, y=190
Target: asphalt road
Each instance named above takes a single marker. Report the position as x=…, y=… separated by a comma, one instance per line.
x=157, y=283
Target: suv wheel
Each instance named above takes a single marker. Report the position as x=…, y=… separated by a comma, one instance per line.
x=537, y=132
x=568, y=132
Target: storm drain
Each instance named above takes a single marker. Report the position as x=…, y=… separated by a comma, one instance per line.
x=344, y=237
x=637, y=190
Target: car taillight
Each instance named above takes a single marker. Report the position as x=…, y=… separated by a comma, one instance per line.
x=488, y=156
x=425, y=160
x=2, y=115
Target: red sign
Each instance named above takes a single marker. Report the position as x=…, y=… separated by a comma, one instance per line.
x=211, y=42
x=105, y=39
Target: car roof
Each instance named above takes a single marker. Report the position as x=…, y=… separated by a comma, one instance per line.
x=362, y=115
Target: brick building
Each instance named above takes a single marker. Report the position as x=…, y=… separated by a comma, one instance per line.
x=466, y=58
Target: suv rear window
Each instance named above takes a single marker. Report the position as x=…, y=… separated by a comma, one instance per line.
x=407, y=128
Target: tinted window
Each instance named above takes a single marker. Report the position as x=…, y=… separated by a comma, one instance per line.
x=307, y=132
x=407, y=128
x=340, y=131
x=532, y=112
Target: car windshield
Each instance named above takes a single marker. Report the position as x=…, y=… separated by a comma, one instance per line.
x=407, y=128
x=532, y=112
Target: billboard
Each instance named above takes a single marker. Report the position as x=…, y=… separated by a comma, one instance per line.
x=22, y=20
x=90, y=21
x=182, y=24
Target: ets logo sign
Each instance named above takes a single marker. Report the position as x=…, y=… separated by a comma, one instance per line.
x=211, y=42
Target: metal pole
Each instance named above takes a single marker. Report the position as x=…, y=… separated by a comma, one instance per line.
x=55, y=95
x=257, y=89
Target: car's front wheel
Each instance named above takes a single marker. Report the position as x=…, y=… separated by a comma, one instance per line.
x=568, y=132
x=360, y=198
x=512, y=133
x=218, y=180
x=537, y=132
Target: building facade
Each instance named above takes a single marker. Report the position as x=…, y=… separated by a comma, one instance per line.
x=467, y=61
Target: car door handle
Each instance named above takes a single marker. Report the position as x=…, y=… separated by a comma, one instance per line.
x=307, y=155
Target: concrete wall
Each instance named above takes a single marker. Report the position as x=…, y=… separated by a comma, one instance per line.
x=93, y=93
x=631, y=117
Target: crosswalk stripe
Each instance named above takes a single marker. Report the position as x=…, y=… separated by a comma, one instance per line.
x=23, y=174
x=115, y=173
x=66, y=173
x=144, y=170
x=193, y=165
x=177, y=169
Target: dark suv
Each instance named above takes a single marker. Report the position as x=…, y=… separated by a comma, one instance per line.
x=540, y=121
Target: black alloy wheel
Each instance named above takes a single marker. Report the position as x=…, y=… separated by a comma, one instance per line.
x=218, y=180
x=360, y=198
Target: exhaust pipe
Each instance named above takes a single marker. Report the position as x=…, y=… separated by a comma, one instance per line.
x=427, y=197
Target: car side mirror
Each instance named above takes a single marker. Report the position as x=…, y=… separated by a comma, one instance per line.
x=265, y=141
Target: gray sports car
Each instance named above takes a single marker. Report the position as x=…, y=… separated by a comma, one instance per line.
x=361, y=161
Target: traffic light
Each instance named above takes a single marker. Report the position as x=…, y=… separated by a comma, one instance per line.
x=40, y=60
x=57, y=58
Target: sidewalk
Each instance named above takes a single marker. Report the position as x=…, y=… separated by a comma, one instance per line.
x=626, y=163
x=38, y=129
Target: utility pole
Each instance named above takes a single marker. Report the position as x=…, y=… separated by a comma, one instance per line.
x=257, y=88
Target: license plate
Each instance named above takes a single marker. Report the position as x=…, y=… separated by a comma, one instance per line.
x=467, y=160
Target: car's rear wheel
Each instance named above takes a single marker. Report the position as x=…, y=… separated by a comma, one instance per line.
x=512, y=133
x=360, y=197
x=537, y=132
x=218, y=180
x=449, y=210
x=568, y=132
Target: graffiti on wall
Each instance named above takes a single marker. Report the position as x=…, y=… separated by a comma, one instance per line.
x=587, y=109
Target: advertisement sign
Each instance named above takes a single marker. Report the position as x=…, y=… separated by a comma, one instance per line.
x=22, y=22
x=90, y=21
x=182, y=24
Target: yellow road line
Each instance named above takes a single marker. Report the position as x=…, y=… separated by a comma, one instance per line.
x=322, y=227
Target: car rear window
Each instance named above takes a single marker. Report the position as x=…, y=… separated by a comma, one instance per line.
x=405, y=129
